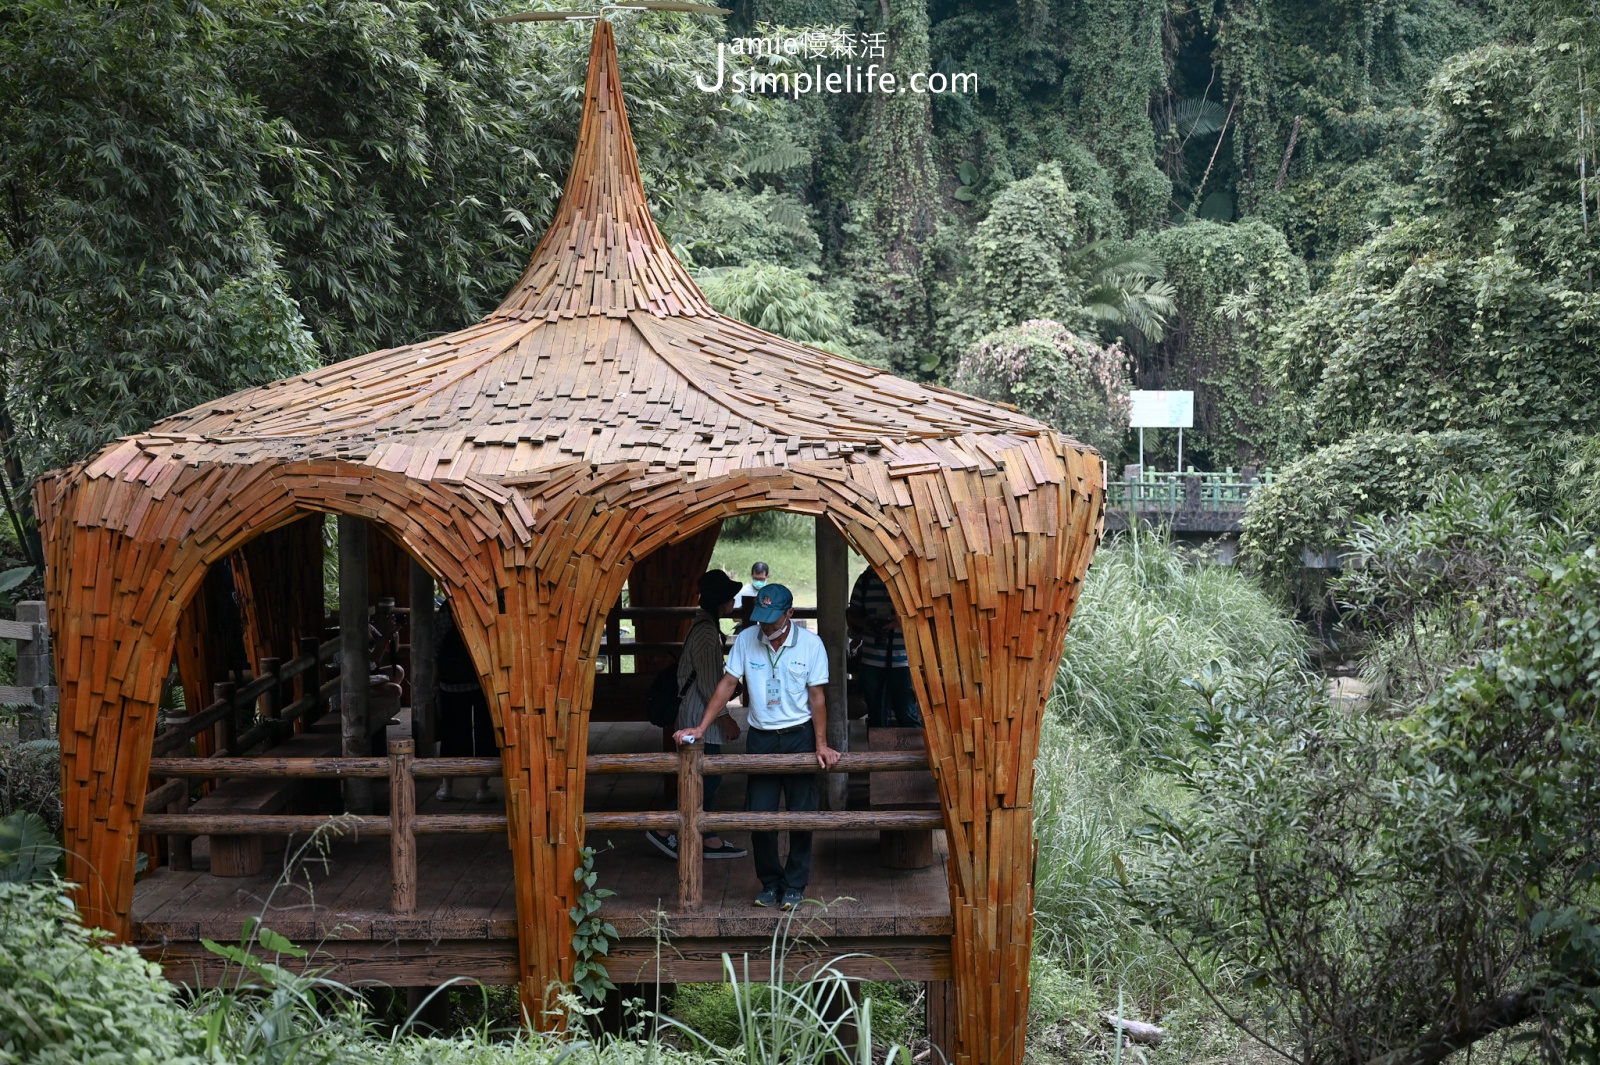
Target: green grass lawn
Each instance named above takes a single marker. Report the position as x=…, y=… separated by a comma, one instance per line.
x=785, y=542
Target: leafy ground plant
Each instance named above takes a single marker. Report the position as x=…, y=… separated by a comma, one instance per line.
x=67, y=996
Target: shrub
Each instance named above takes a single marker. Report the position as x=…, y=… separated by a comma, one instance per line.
x=1397, y=890
x=1432, y=589
x=1315, y=500
x=1056, y=376
x=68, y=997
x=30, y=780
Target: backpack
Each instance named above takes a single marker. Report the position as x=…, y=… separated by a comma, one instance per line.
x=665, y=697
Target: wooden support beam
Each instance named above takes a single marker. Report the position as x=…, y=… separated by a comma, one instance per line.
x=402, y=822
x=33, y=671
x=691, y=793
x=424, y=675
x=833, y=595
x=354, y=684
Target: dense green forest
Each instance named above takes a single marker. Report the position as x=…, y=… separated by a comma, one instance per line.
x=1329, y=219
x=1365, y=232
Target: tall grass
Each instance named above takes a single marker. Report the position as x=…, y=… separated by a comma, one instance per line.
x=1148, y=620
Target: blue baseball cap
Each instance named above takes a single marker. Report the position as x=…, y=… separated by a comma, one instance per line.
x=771, y=602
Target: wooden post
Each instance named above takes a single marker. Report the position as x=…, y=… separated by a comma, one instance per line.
x=309, y=681
x=424, y=675
x=354, y=680
x=33, y=671
x=833, y=595
x=691, y=794
x=180, y=849
x=942, y=1020
x=402, y=826
x=272, y=698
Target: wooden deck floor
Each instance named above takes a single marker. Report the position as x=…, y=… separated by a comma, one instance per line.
x=465, y=921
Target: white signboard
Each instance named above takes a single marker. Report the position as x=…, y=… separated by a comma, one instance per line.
x=1161, y=410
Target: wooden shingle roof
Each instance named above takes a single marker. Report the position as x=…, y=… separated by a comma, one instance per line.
x=604, y=351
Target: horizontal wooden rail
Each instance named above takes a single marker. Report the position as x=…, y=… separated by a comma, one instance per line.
x=631, y=763
x=18, y=630
x=849, y=762
x=821, y=821
x=190, y=824
x=258, y=824
x=300, y=768
x=441, y=768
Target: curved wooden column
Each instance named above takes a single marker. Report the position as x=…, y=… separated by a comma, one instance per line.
x=985, y=571
x=535, y=637
x=110, y=667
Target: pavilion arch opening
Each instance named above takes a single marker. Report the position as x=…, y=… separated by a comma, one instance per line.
x=392, y=765
x=869, y=877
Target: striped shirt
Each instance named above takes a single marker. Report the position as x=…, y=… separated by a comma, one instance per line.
x=702, y=657
x=880, y=649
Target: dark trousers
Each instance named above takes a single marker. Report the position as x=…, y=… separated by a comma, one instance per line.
x=799, y=791
x=891, y=700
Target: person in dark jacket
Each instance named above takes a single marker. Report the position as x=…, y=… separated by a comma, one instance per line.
x=466, y=729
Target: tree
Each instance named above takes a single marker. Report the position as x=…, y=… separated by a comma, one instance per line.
x=1042, y=252
x=1056, y=376
x=778, y=300
x=895, y=214
x=1478, y=308
x=199, y=199
x=1230, y=285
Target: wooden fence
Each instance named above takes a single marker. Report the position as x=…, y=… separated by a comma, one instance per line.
x=33, y=693
x=403, y=824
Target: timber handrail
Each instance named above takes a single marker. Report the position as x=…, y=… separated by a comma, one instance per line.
x=403, y=824
x=230, y=700
x=440, y=768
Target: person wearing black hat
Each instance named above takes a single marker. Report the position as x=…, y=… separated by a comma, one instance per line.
x=699, y=670
x=785, y=672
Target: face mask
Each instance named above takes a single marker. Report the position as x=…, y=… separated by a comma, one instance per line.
x=757, y=585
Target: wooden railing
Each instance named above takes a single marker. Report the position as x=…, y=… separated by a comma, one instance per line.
x=258, y=704
x=33, y=694
x=403, y=824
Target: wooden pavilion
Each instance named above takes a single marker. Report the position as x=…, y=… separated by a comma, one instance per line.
x=593, y=430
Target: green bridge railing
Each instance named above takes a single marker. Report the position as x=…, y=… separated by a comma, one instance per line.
x=1219, y=493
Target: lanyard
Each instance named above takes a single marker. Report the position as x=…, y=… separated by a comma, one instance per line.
x=771, y=660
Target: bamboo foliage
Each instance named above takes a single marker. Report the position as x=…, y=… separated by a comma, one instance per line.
x=529, y=462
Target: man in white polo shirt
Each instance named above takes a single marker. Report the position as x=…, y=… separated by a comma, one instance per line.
x=785, y=671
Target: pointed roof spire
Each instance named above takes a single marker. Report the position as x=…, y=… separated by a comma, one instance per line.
x=603, y=253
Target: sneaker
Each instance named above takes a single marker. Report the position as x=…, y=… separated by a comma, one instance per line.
x=767, y=899
x=725, y=850
x=665, y=842
x=792, y=899
x=443, y=794
x=483, y=794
